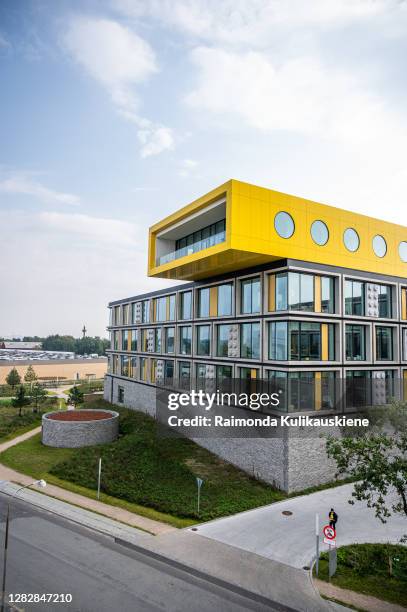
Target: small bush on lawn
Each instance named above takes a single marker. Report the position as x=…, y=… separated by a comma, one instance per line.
x=15, y=423
x=158, y=472
x=373, y=569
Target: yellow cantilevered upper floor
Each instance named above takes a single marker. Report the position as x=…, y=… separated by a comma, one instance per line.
x=238, y=225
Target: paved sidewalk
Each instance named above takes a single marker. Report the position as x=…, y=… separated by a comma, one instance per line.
x=290, y=539
x=113, y=512
x=357, y=600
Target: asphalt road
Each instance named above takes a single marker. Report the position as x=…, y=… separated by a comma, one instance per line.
x=48, y=554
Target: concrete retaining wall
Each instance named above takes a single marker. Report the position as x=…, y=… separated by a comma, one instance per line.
x=292, y=463
x=75, y=434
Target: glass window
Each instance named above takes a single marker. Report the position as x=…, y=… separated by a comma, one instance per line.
x=224, y=300
x=223, y=376
x=403, y=251
x=116, y=340
x=351, y=239
x=319, y=233
x=143, y=368
x=120, y=395
x=250, y=296
x=281, y=291
x=169, y=339
x=299, y=340
x=157, y=340
x=385, y=301
x=278, y=340
x=145, y=311
x=160, y=306
x=201, y=239
x=133, y=366
x=327, y=294
x=133, y=312
x=125, y=314
x=184, y=374
x=172, y=308
x=358, y=388
x=300, y=291
x=384, y=343
x=355, y=342
x=203, y=302
x=124, y=340
x=307, y=292
x=222, y=340
x=284, y=225
x=168, y=371
x=310, y=341
x=185, y=339
x=294, y=301
x=203, y=339
x=354, y=298
x=379, y=246
x=124, y=365
x=250, y=340
x=134, y=339
x=186, y=305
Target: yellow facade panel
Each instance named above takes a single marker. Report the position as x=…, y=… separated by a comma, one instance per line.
x=213, y=302
x=272, y=293
x=317, y=293
x=250, y=232
x=403, y=304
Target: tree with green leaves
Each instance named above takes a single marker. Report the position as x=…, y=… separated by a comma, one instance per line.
x=377, y=460
x=20, y=400
x=13, y=378
x=38, y=395
x=30, y=376
x=75, y=396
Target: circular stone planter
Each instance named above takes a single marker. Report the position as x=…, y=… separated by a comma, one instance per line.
x=77, y=428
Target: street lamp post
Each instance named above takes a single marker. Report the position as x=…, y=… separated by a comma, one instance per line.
x=40, y=483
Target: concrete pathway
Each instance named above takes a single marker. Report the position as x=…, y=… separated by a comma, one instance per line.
x=357, y=600
x=290, y=539
x=113, y=512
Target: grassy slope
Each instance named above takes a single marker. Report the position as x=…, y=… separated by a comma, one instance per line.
x=147, y=470
x=364, y=568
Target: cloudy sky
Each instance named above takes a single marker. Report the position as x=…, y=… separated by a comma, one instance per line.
x=113, y=113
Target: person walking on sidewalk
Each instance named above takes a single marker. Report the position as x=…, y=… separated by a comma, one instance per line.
x=333, y=518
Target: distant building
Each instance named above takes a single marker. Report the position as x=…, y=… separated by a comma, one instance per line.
x=58, y=370
x=20, y=345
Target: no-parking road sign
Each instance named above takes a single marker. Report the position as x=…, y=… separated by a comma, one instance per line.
x=329, y=535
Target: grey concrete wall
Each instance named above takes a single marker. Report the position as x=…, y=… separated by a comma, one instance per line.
x=136, y=395
x=76, y=434
x=291, y=464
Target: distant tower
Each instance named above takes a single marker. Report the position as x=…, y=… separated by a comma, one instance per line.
x=84, y=330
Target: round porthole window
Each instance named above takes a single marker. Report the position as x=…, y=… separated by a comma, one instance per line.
x=379, y=246
x=403, y=251
x=319, y=233
x=284, y=225
x=351, y=239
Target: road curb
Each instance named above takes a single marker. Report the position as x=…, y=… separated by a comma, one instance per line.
x=205, y=576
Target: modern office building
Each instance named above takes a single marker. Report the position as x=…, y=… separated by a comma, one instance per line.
x=304, y=295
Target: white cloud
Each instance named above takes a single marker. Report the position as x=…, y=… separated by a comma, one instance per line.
x=187, y=167
x=236, y=22
x=119, y=60
x=300, y=95
x=19, y=183
x=96, y=229
x=71, y=266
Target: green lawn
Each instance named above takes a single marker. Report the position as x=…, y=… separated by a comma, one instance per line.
x=365, y=568
x=149, y=471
